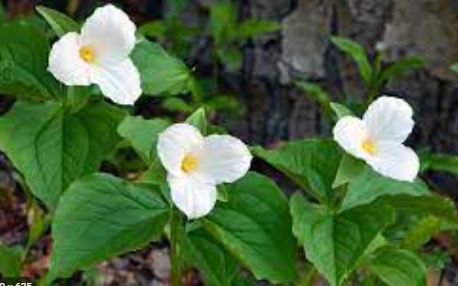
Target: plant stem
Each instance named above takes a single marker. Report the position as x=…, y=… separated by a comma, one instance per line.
x=176, y=229
x=311, y=276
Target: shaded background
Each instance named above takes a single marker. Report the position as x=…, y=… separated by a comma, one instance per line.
x=268, y=108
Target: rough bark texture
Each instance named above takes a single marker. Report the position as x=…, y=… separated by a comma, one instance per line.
x=302, y=50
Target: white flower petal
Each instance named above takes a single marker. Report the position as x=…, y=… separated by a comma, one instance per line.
x=65, y=63
x=119, y=82
x=350, y=132
x=389, y=119
x=175, y=143
x=396, y=161
x=224, y=159
x=192, y=196
x=111, y=34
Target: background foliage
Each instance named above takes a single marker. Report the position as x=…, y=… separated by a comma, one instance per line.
x=264, y=69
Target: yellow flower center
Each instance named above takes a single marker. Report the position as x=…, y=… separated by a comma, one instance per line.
x=189, y=163
x=369, y=146
x=87, y=54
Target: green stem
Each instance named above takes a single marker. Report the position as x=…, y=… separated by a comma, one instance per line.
x=176, y=229
x=311, y=276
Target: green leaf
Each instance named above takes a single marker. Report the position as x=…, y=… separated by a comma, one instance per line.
x=255, y=226
x=225, y=102
x=102, y=216
x=356, y=51
x=317, y=93
x=156, y=174
x=253, y=27
x=421, y=232
x=311, y=163
x=341, y=110
x=369, y=186
x=24, y=51
x=223, y=19
x=349, y=168
x=402, y=67
x=60, y=23
x=436, y=259
x=10, y=261
x=423, y=204
x=176, y=104
x=155, y=29
x=398, y=267
x=217, y=266
x=335, y=243
x=142, y=134
x=2, y=13
x=159, y=71
x=439, y=162
x=52, y=147
x=199, y=120
x=77, y=98
x=454, y=68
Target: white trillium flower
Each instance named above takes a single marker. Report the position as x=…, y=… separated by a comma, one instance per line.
x=99, y=55
x=196, y=164
x=378, y=138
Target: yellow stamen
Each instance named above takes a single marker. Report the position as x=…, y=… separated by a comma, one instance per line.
x=369, y=146
x=189, y=163
x=87, y=54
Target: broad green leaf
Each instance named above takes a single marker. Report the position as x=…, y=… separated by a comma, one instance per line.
x=199, y=120
x=378, y=242
x=317, y=93
x=311, y=163
x=52, y=147
x=253, y=27
x=398, y=267
x=60, y=23
x=255, y=226
x=24, y=51
x=369, y=186
x=423, y=204
x=341, y=110
x=216, y=265
x=439, y=162
x=103, y=216
x=333, y=242
x=176, y=104
x=402, y=67
x=10, y=261
x=421, y=232
x=349, y=168
x=356, y=51
x=142, y=134
x=159, y=71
